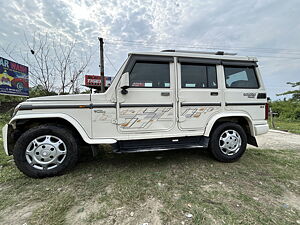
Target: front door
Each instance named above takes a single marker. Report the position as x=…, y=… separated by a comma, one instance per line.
x=149, y=103
x=199, y=93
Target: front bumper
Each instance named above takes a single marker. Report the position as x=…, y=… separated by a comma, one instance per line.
x=4, y=137
x=261, y=129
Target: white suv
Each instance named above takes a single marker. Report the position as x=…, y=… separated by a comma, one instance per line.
x=157, y=101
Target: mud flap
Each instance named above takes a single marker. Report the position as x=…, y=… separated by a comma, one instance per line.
x=252, y=140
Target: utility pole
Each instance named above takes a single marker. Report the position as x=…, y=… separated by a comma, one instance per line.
x=101, y=65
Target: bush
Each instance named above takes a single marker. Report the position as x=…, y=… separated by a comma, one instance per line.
x=287, y=110
x=33, y=92
x=297, y=113
x=9, y=98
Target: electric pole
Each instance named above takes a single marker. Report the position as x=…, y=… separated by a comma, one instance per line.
x=101, y=65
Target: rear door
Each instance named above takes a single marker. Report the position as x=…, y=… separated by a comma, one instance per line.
x=198, y=92
x=149, y=104
x=244, y=91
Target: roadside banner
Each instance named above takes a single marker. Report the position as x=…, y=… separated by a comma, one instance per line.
x=94, y=81
x=13, y=78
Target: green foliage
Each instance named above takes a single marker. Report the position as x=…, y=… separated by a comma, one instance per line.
x=287, y=110
x=9, y=98
x=294, y=84
x=295, y=93
x=38, y=91
x=4, y=118
x=33, y=92
x=285, y=125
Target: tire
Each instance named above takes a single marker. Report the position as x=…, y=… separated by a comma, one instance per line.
x=45, y=151
x=228, y=142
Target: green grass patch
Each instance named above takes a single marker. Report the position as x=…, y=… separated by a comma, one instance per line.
x=261, y=188
x=292, y=126
x=108, y=188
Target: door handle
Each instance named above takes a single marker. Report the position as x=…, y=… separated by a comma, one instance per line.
x=165, y=93
x=214, y=93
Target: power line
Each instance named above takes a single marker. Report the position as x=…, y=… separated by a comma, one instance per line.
x=292, y=51
x=210, y=48
x=110, y=62
x=196, y=47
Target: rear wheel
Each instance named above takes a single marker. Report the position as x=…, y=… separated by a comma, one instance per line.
x=228, y=142
x=45, y=151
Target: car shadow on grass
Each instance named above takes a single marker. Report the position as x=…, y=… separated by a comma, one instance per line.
x=143, y=159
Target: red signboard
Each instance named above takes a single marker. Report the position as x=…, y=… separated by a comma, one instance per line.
x=92, y=81
x=95, y=81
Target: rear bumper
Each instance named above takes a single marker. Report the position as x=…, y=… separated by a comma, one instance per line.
x=4, y=137
x=261, y=129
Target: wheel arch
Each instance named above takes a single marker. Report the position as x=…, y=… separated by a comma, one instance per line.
x=21, y=123
x=240, y=118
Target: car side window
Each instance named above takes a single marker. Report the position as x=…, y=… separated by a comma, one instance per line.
x=240, y=77
x=198, y=76
x=150, y=75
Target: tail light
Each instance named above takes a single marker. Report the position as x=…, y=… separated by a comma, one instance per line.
x=266, y=111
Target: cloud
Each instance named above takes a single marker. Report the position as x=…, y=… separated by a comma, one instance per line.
x=267, y=29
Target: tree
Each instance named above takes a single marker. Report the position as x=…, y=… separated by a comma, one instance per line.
x=295, y=93
x=68, y=67
x=54, y=64
x=40, y=62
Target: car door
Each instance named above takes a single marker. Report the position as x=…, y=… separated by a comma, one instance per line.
x=243, y=90
x=148, y=105
x=198, y=92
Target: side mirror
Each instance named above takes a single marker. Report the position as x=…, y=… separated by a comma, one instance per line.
x=124, y=83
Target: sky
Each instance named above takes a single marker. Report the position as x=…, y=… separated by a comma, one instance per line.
x=267, y=29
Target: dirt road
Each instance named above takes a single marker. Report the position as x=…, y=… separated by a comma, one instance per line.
x=278, y=140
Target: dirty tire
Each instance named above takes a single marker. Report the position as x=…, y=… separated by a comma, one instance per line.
x=70, y=156
x=214, y=145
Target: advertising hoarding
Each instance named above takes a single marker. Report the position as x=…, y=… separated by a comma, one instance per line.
x=13, y=78
x=95, y=81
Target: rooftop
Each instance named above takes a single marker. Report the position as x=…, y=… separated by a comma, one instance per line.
x=196, y=54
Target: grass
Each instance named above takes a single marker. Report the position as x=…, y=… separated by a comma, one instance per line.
x=261, y=188
x=286, y=125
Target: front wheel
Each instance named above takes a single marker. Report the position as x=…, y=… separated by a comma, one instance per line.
x=228, y=142
x=45, y=151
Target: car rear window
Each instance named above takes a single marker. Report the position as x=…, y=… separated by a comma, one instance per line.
x=240, y=77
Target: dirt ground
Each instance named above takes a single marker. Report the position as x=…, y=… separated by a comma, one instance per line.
x=278, y=140
x=172, y=187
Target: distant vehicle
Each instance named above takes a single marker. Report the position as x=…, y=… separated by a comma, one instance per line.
x=157, y=101
x=20, y=83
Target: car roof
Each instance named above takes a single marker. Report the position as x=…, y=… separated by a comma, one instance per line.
x=197, y=55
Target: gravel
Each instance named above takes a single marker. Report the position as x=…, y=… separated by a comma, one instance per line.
x=278, y=140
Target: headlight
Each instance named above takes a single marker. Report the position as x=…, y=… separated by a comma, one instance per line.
x=16, y=110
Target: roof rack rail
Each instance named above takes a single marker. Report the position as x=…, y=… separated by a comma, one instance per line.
x=200, y=52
